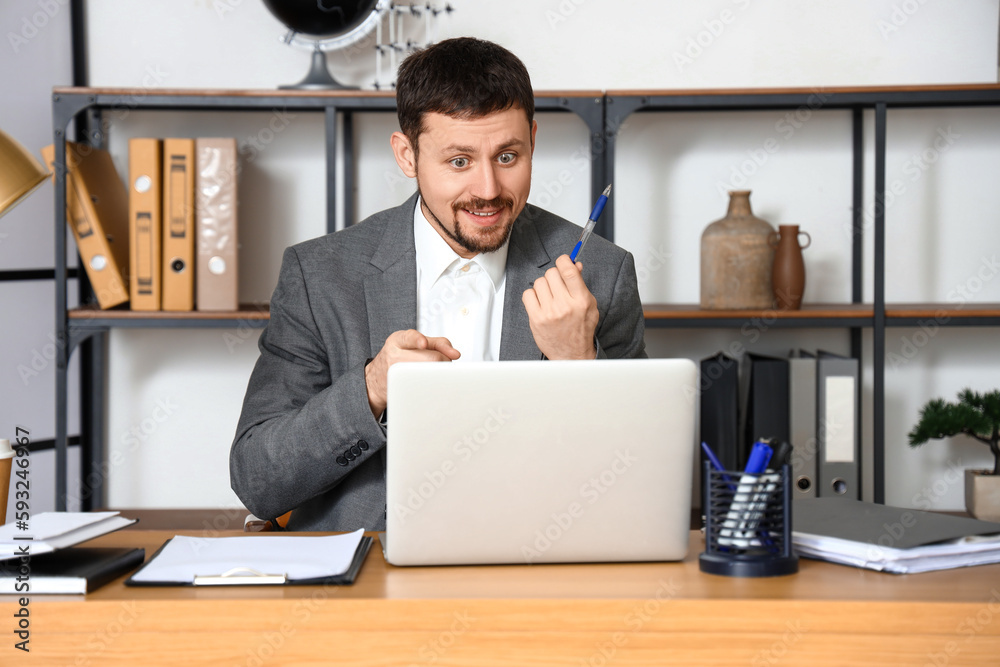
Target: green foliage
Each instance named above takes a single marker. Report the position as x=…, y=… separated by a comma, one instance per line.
x=976, y=415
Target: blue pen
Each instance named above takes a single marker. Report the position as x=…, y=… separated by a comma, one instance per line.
x=588, y=229
x=716, y=463
x=760, y=456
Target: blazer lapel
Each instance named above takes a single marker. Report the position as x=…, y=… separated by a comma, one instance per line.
x=527, y=259
x=391, y=295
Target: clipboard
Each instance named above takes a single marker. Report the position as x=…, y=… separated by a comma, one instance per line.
x=210, y=573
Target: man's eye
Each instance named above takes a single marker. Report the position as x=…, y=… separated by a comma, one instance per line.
x=460, y=162
x=506, y=158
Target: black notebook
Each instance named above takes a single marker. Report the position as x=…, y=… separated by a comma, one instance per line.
x=72, y=570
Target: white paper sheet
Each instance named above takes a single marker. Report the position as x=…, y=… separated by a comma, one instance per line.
x=56, y=530
x=295, y=557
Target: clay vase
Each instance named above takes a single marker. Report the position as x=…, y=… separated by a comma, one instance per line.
x=789, y=275
x=736, y=259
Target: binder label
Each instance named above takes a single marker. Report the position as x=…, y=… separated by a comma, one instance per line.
x=839, y=443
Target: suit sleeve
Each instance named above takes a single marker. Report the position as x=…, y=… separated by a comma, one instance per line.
x=302, y=410
x=621, y=330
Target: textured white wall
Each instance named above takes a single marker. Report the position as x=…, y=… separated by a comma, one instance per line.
x=671, y=175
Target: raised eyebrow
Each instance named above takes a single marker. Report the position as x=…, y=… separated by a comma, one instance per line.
x=513, y=143
x=454, y=148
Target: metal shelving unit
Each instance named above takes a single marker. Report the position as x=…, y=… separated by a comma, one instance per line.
x=89, y=324
x=856, y=316
x=603, y=113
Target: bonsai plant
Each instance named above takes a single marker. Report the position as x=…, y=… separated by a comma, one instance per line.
x=978, y=416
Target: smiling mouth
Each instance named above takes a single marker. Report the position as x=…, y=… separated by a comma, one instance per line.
x=483, y=217
x=484, y=213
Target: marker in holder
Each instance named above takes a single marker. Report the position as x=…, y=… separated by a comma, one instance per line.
x=748, y=524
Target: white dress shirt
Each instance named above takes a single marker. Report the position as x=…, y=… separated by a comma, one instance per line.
x=460, y=299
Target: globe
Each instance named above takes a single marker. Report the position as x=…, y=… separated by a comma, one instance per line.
x=321, y=18
x=331, y=24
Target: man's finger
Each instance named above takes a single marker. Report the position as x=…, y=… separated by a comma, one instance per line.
x=410, y=339
x=543, y=291
x=442, y=345
x=571, y=275
x=530, y=300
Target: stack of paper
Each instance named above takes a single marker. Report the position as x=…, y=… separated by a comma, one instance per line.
x=891, y=539
x=257, y=559
x=48, y=531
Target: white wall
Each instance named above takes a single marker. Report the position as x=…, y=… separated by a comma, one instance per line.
x=940, y=229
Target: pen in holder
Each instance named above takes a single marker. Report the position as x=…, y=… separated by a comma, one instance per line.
x=748, y=524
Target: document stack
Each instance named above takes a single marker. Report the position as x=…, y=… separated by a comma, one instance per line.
x=891, y=539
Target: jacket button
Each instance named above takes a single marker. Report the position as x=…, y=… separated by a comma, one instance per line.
x=349, y=455
x=355, y=450
x=363, y=445
x=341, y=460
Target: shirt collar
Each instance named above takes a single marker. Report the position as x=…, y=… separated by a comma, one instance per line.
x=435, y=256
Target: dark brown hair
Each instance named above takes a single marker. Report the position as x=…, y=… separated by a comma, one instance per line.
x=463, y=78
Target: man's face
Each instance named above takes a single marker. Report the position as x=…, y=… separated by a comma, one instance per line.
x=473, y=175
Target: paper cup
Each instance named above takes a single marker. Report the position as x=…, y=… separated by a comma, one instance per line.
x=6, y=460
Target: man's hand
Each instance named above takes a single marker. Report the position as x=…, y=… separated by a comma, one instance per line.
x=562, y=312
x=408, y=345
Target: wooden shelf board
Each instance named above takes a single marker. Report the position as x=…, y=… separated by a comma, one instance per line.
x=803, y=91
x=143, y=93
x=820, y=310
x=942, y=310
x=247, y=311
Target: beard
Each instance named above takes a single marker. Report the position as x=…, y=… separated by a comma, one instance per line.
x=479, y=240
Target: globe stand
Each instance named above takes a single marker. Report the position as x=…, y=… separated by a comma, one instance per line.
x=319, y=77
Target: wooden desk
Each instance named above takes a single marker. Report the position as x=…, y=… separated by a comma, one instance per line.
x=572, y=615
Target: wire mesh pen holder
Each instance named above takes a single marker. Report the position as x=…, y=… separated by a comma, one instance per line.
x=748, y=524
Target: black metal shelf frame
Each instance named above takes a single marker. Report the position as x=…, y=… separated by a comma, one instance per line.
x=620, y=106
x=603, y=115
x=87, y=106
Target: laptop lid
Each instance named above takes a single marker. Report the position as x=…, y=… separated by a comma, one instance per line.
x=539, y=462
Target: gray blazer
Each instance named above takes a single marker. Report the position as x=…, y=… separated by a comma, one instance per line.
x=306, y=438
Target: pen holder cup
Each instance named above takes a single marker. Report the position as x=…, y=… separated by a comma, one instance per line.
x=748, y=524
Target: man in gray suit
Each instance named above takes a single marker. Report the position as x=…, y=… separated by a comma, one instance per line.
x=465, y=270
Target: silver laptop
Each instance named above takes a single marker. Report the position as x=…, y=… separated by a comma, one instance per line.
x=539, y=462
